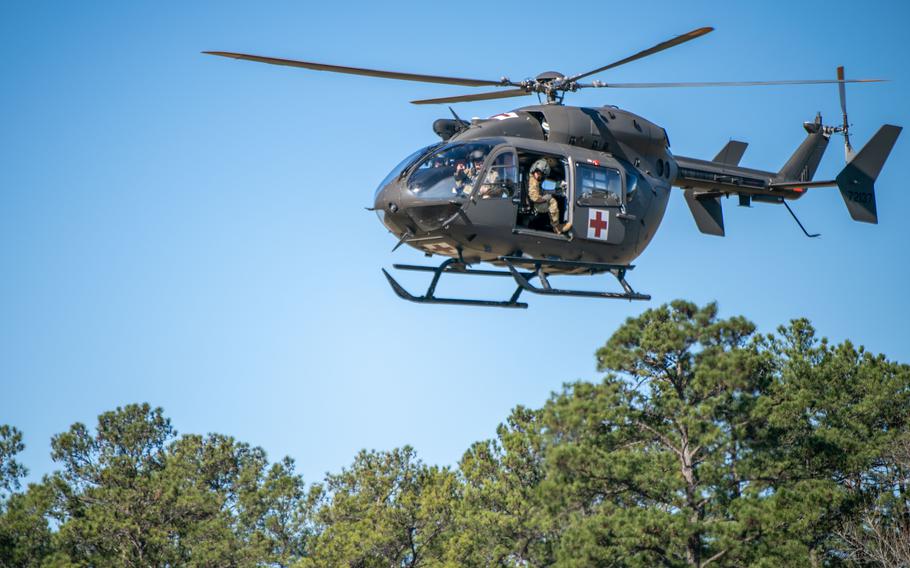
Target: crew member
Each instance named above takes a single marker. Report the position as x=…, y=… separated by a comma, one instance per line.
x=491, y=187
x=466, y=174
x=544, y=202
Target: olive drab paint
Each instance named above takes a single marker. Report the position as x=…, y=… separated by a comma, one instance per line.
x=608, y=176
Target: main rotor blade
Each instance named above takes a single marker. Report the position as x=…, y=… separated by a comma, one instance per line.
x=659, y=47
x=478, y=97
x=726, y=83
x=359, y=71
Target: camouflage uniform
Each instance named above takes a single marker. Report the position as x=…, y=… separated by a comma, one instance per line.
x=544, y=202
x=464, y=180
x=491, y=187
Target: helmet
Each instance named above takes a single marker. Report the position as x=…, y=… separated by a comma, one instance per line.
x=542, y=166
x=476, y=156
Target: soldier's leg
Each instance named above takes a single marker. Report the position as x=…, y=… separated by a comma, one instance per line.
x=554, y=213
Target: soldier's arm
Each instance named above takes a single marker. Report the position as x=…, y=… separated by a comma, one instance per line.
x=534, y=190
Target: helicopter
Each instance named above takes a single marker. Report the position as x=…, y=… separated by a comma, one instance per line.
x=476, y=197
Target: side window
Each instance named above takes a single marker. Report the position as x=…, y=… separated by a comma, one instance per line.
x=597, y=186
x=501, y=178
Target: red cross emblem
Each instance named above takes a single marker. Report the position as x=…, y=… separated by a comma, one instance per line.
x=441, y=249
x=597, y=224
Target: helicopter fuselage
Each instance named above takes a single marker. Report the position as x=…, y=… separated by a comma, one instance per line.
x=605, y=184
x=611, y=173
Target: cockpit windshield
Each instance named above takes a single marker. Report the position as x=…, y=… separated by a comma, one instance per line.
x=403, y=165
x=450, y=171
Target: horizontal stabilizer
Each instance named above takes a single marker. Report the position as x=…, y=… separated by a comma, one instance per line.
x=803, y=184
x=731, y=154
x=707, y=211
x=857, y=180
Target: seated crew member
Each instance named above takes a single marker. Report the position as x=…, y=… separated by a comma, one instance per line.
x=491, y=187
x=499, y=180
x=462, y=179
x=465, y=174
x=544, y=202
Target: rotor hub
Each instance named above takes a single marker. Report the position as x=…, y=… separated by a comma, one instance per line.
x=549, y=77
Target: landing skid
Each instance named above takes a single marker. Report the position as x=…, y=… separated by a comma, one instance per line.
x=451, y=265
x=522, y=278
x=540, y=267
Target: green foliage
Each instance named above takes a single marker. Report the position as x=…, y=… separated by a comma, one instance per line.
x=135, y=495
x=387, y=509
x=705, y=443
x=10, y=470
x=708, y=443
x=25, y=537
x=501, y=519
x=881, y=535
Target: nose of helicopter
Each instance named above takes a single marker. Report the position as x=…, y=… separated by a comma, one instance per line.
x=388, y=198
x=401, y=209
x=387, y=204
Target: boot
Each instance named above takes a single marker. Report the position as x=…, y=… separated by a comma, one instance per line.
x=562, y=229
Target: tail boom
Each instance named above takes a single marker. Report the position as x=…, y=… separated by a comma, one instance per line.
x=706, y=181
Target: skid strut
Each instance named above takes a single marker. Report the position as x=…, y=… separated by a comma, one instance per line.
x=538, y=269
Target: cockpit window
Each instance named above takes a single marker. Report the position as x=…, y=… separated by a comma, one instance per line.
x=452, y=170
x=403, y=165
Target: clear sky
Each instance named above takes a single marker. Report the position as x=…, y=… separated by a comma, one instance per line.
x=189, y=230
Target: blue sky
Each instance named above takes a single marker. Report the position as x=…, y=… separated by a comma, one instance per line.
x=189, y=231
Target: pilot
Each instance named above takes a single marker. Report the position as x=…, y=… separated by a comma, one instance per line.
x=466, y=174
x=544, y=202
x=476, y=162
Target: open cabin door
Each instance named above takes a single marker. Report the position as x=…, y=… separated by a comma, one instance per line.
x=534, y=218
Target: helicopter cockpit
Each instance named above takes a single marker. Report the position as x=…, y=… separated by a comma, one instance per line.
x=453, y=170
x=431, y=185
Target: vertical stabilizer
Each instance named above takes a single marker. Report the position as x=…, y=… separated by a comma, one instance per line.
x=857, y=180
x=731, y=154
x=707, y=212
x=802, y=164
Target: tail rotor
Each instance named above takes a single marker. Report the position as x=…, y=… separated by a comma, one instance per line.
x=845, y=128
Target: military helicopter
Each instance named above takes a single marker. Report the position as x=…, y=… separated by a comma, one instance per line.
x=483, y=193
